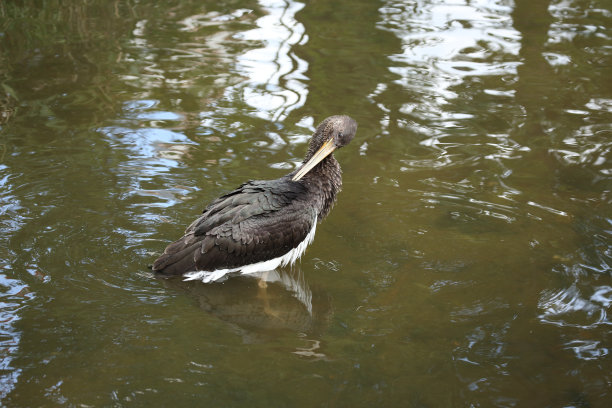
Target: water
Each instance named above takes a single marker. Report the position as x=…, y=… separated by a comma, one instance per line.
x=466, y=263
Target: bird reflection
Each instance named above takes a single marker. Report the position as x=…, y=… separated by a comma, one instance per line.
x=262, y=303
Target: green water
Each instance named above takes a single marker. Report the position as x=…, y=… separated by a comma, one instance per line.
x=467, y=262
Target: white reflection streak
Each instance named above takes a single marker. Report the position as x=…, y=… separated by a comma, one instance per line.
x=11, y=299
x=444, y=44
x=549, y=209
x=435, y=38
x=587, y=349
x=559, y=307
x=274, y=72
x=295, y=283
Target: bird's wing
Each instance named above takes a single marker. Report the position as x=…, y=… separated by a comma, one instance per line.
x=259, y=221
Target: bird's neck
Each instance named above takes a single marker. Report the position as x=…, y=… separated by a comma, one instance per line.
x=325, y=182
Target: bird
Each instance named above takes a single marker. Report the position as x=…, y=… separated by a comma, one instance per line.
x=263, y=224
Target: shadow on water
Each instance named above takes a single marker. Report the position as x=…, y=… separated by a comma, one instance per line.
x=259, y=305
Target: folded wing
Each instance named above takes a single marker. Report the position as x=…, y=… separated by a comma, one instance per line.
x=259, y=221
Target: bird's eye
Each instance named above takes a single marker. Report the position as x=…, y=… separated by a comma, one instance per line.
x=340, y=134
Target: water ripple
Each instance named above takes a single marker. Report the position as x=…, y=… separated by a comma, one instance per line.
x=14, y=293
x=275, y=73
x=572, y=307
x=587, y=349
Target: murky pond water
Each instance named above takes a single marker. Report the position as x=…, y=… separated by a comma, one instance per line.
x=466, y=263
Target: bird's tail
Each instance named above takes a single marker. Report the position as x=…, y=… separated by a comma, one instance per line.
x=177, y=258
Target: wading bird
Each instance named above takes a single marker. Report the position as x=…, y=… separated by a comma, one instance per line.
x=263, y=224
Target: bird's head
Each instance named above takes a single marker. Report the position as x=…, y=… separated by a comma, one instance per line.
x=333, y=133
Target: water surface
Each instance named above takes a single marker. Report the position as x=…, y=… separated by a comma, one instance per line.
x=466, y=263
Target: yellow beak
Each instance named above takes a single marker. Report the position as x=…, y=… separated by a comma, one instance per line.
x=325, y=150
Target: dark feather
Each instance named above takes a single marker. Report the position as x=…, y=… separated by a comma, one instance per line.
x=260, y=220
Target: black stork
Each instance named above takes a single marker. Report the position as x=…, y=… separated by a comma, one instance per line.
x=263, y=224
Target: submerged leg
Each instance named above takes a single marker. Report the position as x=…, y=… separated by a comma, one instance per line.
x=262, y=293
